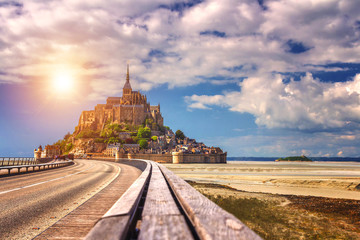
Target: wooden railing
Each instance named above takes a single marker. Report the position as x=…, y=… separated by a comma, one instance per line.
x=160, y=205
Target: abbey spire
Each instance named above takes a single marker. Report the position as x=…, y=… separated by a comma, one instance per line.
x=127, y=86
x=128, y=74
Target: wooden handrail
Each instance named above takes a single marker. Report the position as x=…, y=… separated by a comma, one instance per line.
x=209, y=220
x=171, y=209
x=161, y=215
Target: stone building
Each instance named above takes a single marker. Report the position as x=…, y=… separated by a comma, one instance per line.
x=111, y=149
x=50, y=151
x=132, y=108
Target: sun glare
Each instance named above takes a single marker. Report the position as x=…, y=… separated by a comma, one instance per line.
x=63, y=82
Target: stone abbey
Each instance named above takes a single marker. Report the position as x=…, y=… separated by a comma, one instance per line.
x=132, y=108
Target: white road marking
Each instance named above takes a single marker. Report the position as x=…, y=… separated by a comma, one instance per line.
x=35, y=184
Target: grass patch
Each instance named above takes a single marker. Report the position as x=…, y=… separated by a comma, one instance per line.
x=271, y=220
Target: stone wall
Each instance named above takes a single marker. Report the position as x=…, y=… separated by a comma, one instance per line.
x=177, y=157
x=130, y=114
x=160, y=158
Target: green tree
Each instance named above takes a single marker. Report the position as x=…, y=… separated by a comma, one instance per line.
x=179, y=134
x=111, y=130
x=143, y=143
x=148, y=122
x=154, y=138
x=68, y=147
x=144, y=132
x=135, y=139
x=66, y=137
x=62, y=144
x=112, y=140
x=88, y=134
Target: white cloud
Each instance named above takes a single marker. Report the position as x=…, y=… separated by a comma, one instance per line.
x=306, y=105
x=180, y=48
x=202, y=102
x=113, y=32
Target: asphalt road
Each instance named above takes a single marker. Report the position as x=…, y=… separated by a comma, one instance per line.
x=30, y=203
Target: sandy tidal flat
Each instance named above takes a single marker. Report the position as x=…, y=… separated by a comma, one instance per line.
x=323, y=179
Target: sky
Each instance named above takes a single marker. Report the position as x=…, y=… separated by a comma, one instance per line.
x=262, y=78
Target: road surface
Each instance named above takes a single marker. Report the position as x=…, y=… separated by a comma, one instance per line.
x=31, y=203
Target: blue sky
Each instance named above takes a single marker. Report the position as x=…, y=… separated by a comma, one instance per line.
x=257, y=78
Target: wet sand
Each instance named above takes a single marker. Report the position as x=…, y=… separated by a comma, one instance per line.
x=322, y=179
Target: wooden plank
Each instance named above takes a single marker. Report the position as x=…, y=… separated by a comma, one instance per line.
x=128, y=201
x=161, y=217
x=209, y=220
x=111, y=228
x=159, y=200
x=164, y=227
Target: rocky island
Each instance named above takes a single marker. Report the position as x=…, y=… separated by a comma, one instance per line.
x=301, y=158
x=129, y=127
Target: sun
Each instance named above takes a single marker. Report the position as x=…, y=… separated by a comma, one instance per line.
x=63, y=81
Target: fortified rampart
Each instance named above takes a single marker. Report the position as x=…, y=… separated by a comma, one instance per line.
x=178, y=157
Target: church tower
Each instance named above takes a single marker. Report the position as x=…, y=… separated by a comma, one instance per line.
x=127, y=87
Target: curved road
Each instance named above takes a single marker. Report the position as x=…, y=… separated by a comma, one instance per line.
x=31, y=203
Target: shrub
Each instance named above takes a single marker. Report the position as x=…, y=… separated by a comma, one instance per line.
x=143, y=143
x=88, y=134
x=68, y=147
x=112, y=140
x=144, y=132
x=179, y=134
x=100, y=140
